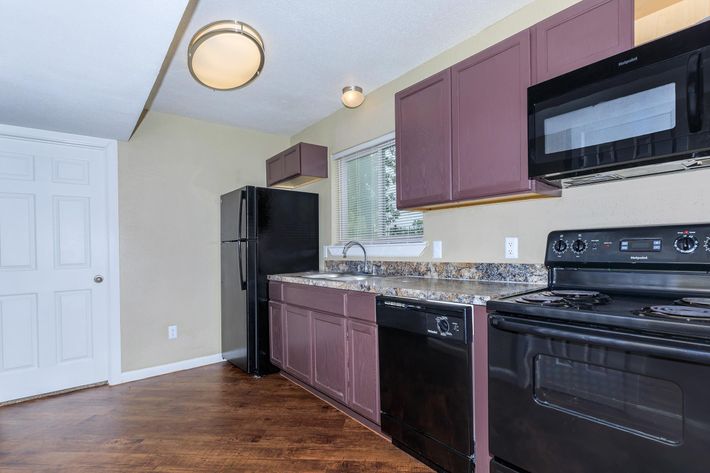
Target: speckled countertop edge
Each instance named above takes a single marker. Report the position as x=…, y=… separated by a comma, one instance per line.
x=474, y=292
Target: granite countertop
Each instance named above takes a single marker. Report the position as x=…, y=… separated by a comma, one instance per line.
x=474, y=292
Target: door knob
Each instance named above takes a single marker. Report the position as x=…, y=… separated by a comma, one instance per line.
x=98, y=279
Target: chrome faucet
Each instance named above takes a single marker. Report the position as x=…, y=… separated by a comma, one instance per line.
x=350, y=244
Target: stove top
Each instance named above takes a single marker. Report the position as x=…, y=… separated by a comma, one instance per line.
x=684, y=316
x=652, y=279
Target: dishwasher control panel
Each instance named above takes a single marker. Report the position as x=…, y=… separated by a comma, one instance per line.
x=450, y=322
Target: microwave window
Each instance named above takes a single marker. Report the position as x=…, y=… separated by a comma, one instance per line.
x=642, y=113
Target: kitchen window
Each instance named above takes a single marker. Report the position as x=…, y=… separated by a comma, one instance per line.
x=366, y=197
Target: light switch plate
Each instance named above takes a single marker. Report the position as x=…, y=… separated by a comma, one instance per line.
x=437, y=250
x=172, y=332
x=511, y=247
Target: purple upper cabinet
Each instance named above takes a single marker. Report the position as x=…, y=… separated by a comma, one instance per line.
x=364, y=382
x=329, y=355
x=582, y=34
x=298, y=343
x=423, y=137
x=489, y=93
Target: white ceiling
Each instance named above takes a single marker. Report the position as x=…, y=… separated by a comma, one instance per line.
x=316, y=47
x=82, y=66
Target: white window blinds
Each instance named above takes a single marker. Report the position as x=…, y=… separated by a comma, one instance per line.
x=367, y=199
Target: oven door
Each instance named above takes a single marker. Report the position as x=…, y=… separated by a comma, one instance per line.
x=590, y=400
x=645, y=115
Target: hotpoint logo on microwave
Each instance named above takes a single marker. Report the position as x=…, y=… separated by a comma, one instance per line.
x=628, y=61
x=639, y=257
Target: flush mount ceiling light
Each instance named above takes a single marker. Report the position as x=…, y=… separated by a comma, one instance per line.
x=225, y=55
x=352, y=96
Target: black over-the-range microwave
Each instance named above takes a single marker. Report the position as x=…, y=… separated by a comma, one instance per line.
x=644, y=111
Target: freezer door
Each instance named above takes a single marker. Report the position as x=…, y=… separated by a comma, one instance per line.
x=235, y=328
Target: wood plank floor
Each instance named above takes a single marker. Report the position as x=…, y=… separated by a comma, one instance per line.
x=210, y=419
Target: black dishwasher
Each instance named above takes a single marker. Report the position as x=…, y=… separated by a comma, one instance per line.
x=426, y=387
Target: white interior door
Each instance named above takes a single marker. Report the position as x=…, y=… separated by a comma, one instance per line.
x=53, y=252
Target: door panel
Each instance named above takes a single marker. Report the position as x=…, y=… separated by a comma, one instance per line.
x=423, y=137
x=17, y=231
x=364, y=382
x=490, y=90
x=291, y=162
x=582, y=34
x=298, y=343
x=53, y=241
x=274, y=169
x=329, y=355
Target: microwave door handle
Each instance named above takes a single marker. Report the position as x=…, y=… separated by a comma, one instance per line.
x=596, y=337
x=694, y=92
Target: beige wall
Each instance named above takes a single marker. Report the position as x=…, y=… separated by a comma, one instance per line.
x=171, y=174
x=476, y=234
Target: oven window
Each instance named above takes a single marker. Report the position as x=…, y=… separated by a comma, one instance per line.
x=626, y=117
x=638, y=404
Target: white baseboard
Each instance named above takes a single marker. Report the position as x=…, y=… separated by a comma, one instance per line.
x=135, y=375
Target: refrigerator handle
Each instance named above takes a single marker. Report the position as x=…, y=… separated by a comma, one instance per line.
x=242, y=199
x=242, y=282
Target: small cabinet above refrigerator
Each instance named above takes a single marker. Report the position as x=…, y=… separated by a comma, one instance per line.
x=301, y=164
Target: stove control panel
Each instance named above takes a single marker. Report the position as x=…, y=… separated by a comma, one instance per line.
x=683, y=246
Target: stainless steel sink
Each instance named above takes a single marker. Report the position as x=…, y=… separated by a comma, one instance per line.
x=338, y=276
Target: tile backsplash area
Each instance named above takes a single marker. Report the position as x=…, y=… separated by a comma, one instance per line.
x=529, y=273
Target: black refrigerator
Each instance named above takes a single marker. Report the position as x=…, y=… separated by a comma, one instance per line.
x=263, y=231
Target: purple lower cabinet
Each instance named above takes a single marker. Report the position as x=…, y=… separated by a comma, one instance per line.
x=298, y=343
x=480, y=389
x=276, y=335
x=364, y=379
x=329, y=355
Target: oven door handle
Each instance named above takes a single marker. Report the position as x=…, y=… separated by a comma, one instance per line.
x=641, y=344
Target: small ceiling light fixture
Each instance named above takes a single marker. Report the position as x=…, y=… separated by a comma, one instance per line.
x=225, y=55
x=352, y=96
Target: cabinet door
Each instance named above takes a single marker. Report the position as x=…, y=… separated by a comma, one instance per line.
x=298, y=343
x=276, y=335
x=329, y=355
x=364, y=380
x=582, y=34
x=423, y=137
x=291, y=162
x=274, y=170
x=489, y=95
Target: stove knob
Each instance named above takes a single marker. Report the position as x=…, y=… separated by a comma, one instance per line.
x=578, y=246
x=686, y=244
x=560, y=247
x=442, y=324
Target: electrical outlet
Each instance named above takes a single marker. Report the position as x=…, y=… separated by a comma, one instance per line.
x=511, y=247
x=172, y=332
x=437, y=252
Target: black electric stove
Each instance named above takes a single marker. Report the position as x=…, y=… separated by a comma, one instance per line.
x=608, y=368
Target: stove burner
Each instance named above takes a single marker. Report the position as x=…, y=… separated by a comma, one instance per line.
x=543, y=299
x=575, y=294
x=695, y=301
x=679, y=311
x=566, y=298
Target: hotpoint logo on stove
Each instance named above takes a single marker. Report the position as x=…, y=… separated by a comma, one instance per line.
x=638, y=257
x=628, y=61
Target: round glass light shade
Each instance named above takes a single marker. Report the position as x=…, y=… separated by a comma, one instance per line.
x=226, y=55
x=352, y=96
